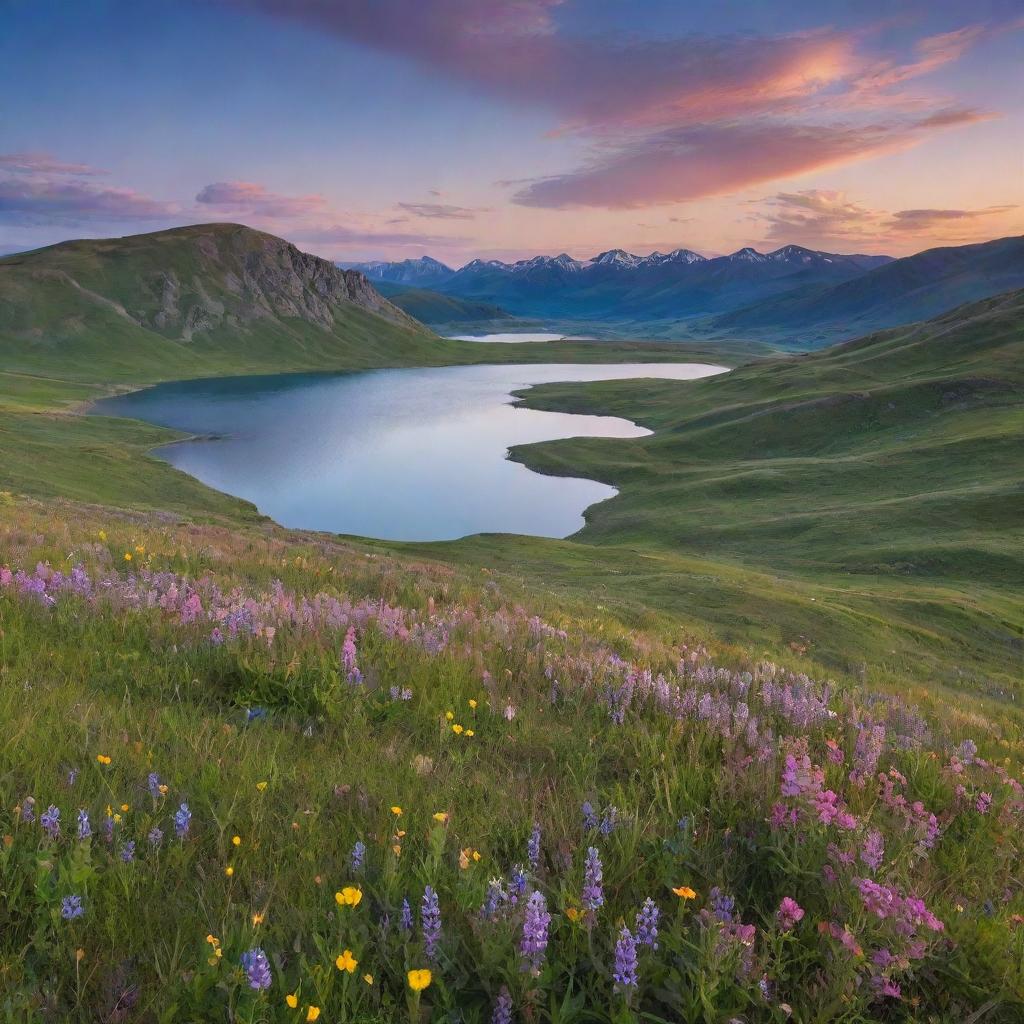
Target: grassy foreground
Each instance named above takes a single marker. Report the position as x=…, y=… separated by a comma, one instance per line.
x=222, y=793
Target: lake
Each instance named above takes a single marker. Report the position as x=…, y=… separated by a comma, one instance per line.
x=411, y=454
x=507, y=339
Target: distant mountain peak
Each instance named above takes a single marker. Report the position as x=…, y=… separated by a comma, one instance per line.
x=748, y=255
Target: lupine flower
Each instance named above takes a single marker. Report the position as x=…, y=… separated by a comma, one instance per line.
x=406, y=916
x=502, y=1008
x=647, y=924
x=357, y=856
x=257, y=969
x=609, y=820
x=50, y=820
x=983, y=803
x=84, y=829
x=153, y=784
x=789, y=913
x=28, y=809
x=517, y=883
x=625, y=970
x=593, y=892
x=71, y=777
x=533, y=847
x=873, y=850
x=430, y=922
x=535, y=933
x=182, y=820
x=71, y=908
x=128, y=851
x=495, y=898
x=722, y=905
x=589, y=816
x=155, y=837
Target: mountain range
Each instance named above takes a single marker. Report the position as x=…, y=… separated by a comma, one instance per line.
x=820, y=296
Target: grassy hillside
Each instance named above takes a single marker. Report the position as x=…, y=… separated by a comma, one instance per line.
x=887, y=471
x=250, y=773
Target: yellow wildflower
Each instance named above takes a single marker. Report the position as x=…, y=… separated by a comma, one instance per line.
x=469, y=732
x=396, y=850
x=213, y=941
x=572, y=913
x=450, y=715
x=312, y=1013
x=419, y=980
x=229, y=871
x=292, y=1000
x=103, y=534
x=124, y=807
x=368, y=978
x=261, y=786
x=163, y=788
x=257, y=919
x=346, y=962
x=127, y=556
x=684, y=892
x=396, y=811
x=236, y=840
x=476, y=855
x=457, y=729
x=103, y=759
x=441, y=816
x=349, y=896
x=472, y=703
x=463, y=859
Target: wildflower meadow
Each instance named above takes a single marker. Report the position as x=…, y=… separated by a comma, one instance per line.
x=254, y=776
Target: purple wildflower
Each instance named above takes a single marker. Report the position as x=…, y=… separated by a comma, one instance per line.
x=502, y=1008
x=535, y=933
x=609, y=820
x=155, y=837
x=50, y=820
x=625, y=972
x=517, y=883
x=722, y=905
x=216, y=636
x=84, y=828
x=494, y=900
x=983, y=803
x=873, y=850
x=593, y=893
x=71, y=908
x=789, y=913
x=357, y=856
x=182, y=820
x=533, y=847
x=406, y=916
x=430, y=922
x=589, y=816
x=71, y=777
x=153, y=783
x=257, y=969
x=348, y=658
x=128, y=851
x=647, y=924
x=28, y=809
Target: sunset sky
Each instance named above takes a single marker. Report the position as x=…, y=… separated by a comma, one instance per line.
x=506, y=128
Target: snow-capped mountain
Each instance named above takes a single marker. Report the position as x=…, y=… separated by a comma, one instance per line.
x=620, y=284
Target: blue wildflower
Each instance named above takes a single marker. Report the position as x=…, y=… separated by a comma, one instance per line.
x=533, y=847
x=357, y=856
x=502, y=1008
x=430, y=921
x=155, y=837
x=50, y=820
x=128, y=851
x=182, y=820
x=257, y=969
x=647, y=924
x=28, y=809
x=534, y=943
x=593, y=891
x=71, y=908
x=609, y=820
x=589, y=816
x=625, y=971
x=406, y=916
x=84, y=828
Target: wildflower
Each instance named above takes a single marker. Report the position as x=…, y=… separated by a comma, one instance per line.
x=312, y=1013
x=128, y=851
x=789, y=913
x=684, y=892
x=983, y=803
x=349, y=896
x=625, y=972
x=236, y=840
x=102, y=535
x=470, y=734
x=257, y=919
x=155, y=837
x=153, y=784
x=722, y=904
x=348, y=658
x=573, y=914
x=442, y=817
x=419, y=980
x=257, y=969
x=502, y=1008
x=449, y=716
x=647, y=924
x=71, y=908
x=50, y=820
x=357, y=856
x=102, y=759
x=873, y=849
x=28, y=809
x=535, y=933
x=182, y=820
x=593, y=892
x=608, y=820
x=127, y=556
x=292, y=999
x=396, y=811
x=457, y=729
x=406, y=916
x=346, y=962
x=472, y=704
x=84, y=829
x=463, y=859
x=229, y=871
x=430, y=922
x=589, y=816
x=533, y=847
x=261, y=786
x=216, y=637
x=510, y=712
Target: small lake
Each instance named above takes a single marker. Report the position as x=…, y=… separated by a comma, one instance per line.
x=506, y=339
x=412, y=454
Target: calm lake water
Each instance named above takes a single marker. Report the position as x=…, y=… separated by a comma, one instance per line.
x=416, y=454
x=506, y=339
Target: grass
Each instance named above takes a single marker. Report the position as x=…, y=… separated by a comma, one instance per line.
x=166, y=686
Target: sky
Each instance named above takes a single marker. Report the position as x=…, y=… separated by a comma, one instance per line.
x=390, y=129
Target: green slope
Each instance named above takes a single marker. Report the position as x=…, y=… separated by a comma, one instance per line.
x=431, y=307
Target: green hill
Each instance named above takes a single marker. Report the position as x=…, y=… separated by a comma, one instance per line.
x=431, y=307
x=192, y=301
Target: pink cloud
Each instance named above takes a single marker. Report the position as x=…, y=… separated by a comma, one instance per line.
x=44, y=163
x=250, y=197
x=26, y=200
x=718, y=159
